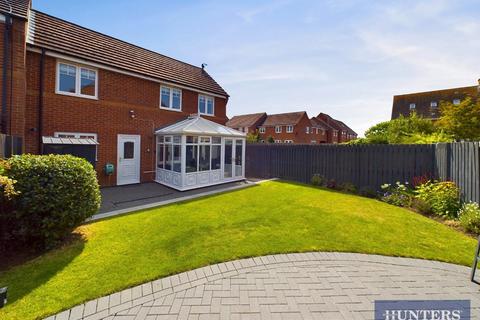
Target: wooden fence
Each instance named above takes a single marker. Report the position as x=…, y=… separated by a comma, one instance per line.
x=369, y=166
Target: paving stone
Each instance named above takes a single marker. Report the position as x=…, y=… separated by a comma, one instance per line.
x=315, y=285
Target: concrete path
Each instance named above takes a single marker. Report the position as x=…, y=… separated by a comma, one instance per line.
x=340, y=286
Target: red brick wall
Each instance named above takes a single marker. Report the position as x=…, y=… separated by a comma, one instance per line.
x=298, y=135
x=107, y=116
x=16, y=100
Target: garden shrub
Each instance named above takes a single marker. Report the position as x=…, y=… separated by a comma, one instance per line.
x=442, y=197
x=317, y=180
x=348, y=187
x=56, y=194
x=331, y=184
x=469, y=216
x=421, y=206
x=398, y=194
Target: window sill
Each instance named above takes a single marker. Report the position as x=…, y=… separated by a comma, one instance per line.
x=76, y=95
x=207, y=114
x=171, y=109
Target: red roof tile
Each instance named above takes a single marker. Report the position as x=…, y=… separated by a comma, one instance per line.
x=245, y=120
x=291, y=118
x=17, y=8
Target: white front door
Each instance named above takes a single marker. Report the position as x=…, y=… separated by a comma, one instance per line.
x=128, y=162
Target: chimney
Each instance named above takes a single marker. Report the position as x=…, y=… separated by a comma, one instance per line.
x=204, y=65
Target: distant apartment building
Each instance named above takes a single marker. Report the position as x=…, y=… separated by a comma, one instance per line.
x=427, y=104
x=293, y=127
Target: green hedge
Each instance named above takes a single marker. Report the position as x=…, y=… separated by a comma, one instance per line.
x=56, y=194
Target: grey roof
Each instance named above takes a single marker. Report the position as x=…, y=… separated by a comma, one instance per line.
x=56, y=140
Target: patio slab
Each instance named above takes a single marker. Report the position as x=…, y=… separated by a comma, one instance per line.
x=315, y=285
x=122, y=199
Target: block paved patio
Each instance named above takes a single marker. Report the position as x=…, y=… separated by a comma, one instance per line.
x=319, y=285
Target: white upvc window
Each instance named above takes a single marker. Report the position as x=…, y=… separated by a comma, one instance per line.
x=76, y=80
x=433, y=104
x=456, y=101
x=261, y=130
x=206, y=105
x=170, y=98
x=278, y=129
x=288, y=141
x=289, y=129
x=307, y=130
x=412, y=106
x=278, y=141
x=313, y=141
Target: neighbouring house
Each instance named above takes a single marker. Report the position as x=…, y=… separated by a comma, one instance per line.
x=339, y=132
x=319, y=131
x=292, y=127
x=346, y=132
x=427, y=104
x=64, y=84
x=247, y=123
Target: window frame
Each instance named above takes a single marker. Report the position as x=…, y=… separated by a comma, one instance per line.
x=78, y=79
x=279, y=129
x=456, y=101
x=289, y=127
x=206, y=97
x=170, y=99
x=412, y=106
x=433, y=104
x=261, y=130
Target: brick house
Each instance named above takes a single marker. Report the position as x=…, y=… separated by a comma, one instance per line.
x=319, y=131
x=63, y=80
x=338, y=131
x=427, y=103
x=293, y=127
x=247, y=122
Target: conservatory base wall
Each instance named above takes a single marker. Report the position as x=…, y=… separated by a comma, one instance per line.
x=192, y=180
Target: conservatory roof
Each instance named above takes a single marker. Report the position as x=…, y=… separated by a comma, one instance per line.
x=196, y=125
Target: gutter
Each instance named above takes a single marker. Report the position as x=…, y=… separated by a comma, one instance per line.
x=6, y=58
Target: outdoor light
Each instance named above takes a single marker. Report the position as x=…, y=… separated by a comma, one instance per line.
x=3, y=296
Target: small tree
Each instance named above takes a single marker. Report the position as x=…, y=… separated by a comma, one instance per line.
x=404, y=130
x=462, y=121
x=253, y=137
x=270, y=140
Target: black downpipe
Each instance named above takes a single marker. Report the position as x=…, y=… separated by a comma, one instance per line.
x=6, y=58
x=40, y=101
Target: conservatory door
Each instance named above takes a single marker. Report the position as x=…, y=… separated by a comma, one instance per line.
x=228, y=159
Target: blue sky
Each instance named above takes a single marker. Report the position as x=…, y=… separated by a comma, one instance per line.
x=343, y=57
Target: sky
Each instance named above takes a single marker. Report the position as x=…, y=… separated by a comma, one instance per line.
x=346, y=58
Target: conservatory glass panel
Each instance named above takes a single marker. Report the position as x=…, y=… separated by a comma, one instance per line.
x=160, y=159
x=168, y=157
x=228, y=158
x=191, y=158
x=238, y=157
x=177, y=159
x=216, y=157
x=204, y=158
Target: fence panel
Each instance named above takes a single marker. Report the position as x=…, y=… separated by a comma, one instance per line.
x=369, y=166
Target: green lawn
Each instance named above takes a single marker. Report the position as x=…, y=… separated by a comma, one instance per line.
x=270, y=218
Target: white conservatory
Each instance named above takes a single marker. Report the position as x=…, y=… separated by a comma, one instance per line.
x=197, y=152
